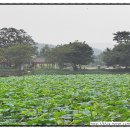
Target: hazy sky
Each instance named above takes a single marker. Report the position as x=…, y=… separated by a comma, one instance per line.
x=59, y=24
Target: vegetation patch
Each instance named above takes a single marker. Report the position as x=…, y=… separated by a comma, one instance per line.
x=64, y=99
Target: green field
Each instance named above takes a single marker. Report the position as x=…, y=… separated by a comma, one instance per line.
x=64, y=99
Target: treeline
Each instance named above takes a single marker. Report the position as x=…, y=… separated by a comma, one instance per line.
x=18, y=48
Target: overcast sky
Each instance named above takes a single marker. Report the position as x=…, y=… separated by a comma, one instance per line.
x=59, y=24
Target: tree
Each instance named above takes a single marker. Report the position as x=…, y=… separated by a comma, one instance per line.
x=109, y=57
x=2, y=58
x=122, y=37
x=19, y=54
x=46, y=52
x=82, y=54
x=11, y=36
x=122, y=52
x=75, y=53
x=60, y=55
x=119, y=55
x=17, y=46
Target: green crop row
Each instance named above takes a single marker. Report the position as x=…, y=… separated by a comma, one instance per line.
x=64, y=99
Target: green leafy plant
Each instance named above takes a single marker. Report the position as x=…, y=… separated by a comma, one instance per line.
x=64, y=99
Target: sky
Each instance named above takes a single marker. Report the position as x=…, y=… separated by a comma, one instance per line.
x=61, y=24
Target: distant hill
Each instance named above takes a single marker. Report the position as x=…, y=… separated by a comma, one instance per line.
x=41, y=45
x=97, y=51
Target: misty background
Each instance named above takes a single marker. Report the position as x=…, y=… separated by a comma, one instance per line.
x=61, y=24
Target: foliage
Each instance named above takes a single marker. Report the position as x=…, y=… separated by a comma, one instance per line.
x=64, y=100
x=45, y=50
x=11, y=36
x=120, y=54
x=75, y=53
x=61, y=55
x=109, y=57
x=81, y=55
x=122, y=37
x=47, y=53
x=16, y=47
x=2, y=57
x=19, y=54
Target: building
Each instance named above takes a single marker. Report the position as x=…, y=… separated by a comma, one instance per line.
x=38, y=62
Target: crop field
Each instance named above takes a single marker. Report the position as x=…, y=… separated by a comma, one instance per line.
x=64, y=99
